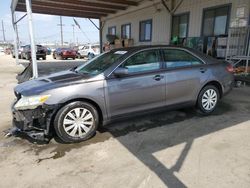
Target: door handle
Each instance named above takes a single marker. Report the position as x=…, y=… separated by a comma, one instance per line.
x=203, y=70
x=158, y=77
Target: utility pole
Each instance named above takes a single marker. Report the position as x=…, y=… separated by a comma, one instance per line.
x=61, y=26
x=3, y=32
x=73, y=33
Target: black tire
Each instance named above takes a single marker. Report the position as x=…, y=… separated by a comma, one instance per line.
x=44, y=57
x=201, y=105
x=91, y=56
x=78, y=56
x=54, y=57
x=62, y=114
x=28, y=57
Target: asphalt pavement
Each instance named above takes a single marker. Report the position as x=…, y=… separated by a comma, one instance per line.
x=175, y=149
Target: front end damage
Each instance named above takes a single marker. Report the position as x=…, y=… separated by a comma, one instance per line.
x=35, y=123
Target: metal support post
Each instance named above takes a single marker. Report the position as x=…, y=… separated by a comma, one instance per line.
x=32, y=41
x=100, y=35
x=15, y=36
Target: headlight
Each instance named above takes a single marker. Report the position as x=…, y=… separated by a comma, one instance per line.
x=30, y=102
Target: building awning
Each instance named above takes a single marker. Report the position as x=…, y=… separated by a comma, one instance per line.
x=75, y=8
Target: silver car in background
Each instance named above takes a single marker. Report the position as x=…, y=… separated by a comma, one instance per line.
x=117, y=84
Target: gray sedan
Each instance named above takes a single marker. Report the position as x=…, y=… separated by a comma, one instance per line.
x=120, y=83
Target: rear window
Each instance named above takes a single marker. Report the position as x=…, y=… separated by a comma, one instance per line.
x=174, y=58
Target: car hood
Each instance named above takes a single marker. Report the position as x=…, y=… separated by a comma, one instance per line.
x=53, y=81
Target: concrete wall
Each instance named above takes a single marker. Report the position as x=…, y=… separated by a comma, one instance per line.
x=162, y=19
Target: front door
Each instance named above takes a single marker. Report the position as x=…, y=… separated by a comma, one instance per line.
x=142, y=89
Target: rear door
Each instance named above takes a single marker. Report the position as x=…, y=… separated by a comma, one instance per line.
x=184, y=74
x=142, y=89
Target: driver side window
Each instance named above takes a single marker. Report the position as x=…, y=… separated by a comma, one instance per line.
x=143, y=62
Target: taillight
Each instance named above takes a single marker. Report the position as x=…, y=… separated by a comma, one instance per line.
x=230, y=68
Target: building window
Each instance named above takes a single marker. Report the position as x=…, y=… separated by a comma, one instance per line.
x=126, y=31
x=215, y=21
x=112, y=30
x=180, y=25
x=146, y=30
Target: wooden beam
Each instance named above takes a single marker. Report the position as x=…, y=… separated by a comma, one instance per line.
x=59, y=13
x=69, y=6
x=91, y=4
x=58, y=4
x=122, y=2
x=59, y=9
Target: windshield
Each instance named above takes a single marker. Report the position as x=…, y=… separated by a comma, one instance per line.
x=99, y=64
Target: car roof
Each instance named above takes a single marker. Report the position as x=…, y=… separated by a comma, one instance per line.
x=206, y=58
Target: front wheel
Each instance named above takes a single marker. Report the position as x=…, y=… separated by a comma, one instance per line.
x=208, y=99
x=75, y=122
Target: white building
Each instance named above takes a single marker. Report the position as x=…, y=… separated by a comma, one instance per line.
x=158, y=21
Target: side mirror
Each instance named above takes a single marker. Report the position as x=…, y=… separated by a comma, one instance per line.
x=120, y=72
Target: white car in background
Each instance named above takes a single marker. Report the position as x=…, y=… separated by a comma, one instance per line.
x=89, y=51
x=1, y=51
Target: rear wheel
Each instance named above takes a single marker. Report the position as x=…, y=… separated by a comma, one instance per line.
x=76, y=122
x=208, y=99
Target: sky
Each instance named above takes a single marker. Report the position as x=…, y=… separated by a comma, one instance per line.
x=46, y=29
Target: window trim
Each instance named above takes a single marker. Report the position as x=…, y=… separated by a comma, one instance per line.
x=179, y=15
x=229, y=5
x=130, y=34
x=151, y=30
x=110, y=28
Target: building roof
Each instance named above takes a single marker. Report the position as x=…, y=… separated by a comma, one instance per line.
x=75, y=8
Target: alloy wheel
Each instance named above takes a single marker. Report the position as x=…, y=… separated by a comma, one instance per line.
x=78, y=122
x=209, y=99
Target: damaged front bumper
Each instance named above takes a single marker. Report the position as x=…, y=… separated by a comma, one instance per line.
x=34, y=123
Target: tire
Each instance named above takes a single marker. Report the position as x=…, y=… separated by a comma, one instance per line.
x=78, y=56
x=208, y=99
x=91, y=56
x=54, y=57
x=67, y=126
x=44, y=57
x=28, y=57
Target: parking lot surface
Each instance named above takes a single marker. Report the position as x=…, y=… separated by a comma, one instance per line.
x=169, y=149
